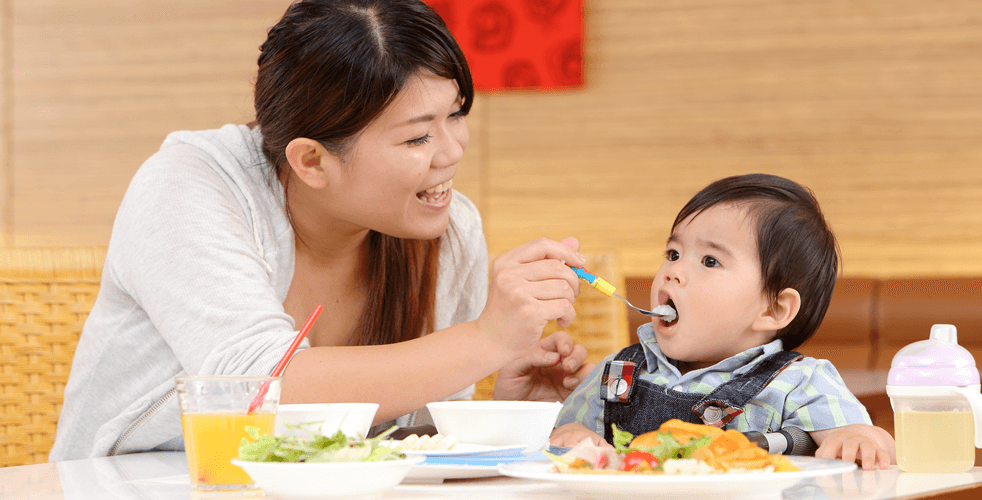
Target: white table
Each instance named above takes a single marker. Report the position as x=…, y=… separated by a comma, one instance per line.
x=163, y=476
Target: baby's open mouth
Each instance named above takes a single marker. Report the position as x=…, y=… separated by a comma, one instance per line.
x=671, y=304
x=435, y=194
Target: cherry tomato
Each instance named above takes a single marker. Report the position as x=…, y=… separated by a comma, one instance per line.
x=635, y=458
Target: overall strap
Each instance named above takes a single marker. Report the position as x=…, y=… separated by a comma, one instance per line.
x=727, y=401
x=637, y=405
x=633, y=353
x=617, y=382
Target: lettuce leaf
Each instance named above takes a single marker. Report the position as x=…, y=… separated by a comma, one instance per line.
x=336, y=448
x=668, y=447
x=621, y=439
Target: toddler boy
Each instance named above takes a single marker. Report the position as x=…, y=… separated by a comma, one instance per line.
x=750, y=267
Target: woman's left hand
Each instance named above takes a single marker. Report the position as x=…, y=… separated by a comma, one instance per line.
x=549, y=372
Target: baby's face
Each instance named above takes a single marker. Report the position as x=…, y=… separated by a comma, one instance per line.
x=711, y=276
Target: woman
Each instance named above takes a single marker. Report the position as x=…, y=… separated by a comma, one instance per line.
x=338, y=195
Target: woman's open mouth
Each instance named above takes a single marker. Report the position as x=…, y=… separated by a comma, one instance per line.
x=436, y=194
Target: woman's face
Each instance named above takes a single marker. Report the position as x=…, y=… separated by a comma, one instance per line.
x=397, y=177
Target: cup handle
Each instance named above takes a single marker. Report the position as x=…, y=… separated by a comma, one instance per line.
x=974, y=399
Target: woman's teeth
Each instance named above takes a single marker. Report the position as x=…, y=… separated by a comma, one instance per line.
x=435, y=194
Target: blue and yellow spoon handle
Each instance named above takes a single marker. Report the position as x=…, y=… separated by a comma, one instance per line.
x=666, y=312
x=594, y=281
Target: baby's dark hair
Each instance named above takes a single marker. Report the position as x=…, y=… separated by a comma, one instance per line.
x=796, y=246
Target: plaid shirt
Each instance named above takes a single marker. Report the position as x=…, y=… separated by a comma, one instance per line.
x=809, y=394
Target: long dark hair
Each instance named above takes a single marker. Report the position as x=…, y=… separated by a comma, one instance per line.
x=327, y=69
x=796, y=246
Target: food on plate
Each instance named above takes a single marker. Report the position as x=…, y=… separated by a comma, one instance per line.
x=677, y=447
x=336, y=448
x=436, y=442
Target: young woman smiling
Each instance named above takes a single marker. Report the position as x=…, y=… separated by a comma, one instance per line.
x=339, y=194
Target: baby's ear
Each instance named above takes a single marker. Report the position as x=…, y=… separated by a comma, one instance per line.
x=781, y=312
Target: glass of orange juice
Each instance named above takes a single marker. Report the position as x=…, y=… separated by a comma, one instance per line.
x=214, y=414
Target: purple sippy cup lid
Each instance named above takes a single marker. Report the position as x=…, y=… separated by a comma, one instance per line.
x=938, y=361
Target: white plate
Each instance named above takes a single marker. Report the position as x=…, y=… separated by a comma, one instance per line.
x=463, y=449
x=436, y=469
x=326, y=480
x=729, y=486
x=423, y=473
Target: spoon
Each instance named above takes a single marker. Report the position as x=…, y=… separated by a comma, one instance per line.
x=666, y=312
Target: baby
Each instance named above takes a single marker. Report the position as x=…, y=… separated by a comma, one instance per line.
x=749, y=267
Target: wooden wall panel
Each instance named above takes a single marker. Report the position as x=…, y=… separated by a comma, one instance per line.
x=6, y=118
x=874, y=105
x=99, y=83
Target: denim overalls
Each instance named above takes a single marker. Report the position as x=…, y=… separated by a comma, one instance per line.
x=639, y=406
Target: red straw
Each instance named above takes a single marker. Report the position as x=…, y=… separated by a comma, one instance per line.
x=258, y=400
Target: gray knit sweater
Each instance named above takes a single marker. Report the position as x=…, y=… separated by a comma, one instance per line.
x=199, y=263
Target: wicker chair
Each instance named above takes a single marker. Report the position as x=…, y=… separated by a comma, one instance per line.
x=601, y=321
x=45, y=296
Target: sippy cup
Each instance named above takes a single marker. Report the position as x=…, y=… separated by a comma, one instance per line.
x=937, y=407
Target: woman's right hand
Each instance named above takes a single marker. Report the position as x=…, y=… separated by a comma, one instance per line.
x=530, y=286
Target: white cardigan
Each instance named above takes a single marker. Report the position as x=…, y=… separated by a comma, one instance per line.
x=198, y=266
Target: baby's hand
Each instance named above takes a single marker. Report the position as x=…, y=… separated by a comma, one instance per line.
x=570, y=435
x=866, y=444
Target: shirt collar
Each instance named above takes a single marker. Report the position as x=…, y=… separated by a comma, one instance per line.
x=737, y=364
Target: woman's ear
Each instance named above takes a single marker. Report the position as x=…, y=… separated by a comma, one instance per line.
x=309, y=159
x=781, y=311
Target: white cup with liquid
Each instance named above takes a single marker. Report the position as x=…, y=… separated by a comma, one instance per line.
x=937, y=405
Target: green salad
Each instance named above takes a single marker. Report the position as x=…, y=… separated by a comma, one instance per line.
x=337, y=448
x=668, y=447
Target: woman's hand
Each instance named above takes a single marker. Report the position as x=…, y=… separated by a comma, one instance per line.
x=870, y=446
x=548, y=372
x=529, y=287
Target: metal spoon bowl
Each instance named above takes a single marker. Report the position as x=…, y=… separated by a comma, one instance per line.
x=664, y=311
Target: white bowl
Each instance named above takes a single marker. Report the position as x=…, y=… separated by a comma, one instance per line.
x=497, y=423
x=310, y=480
x=353, y=419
